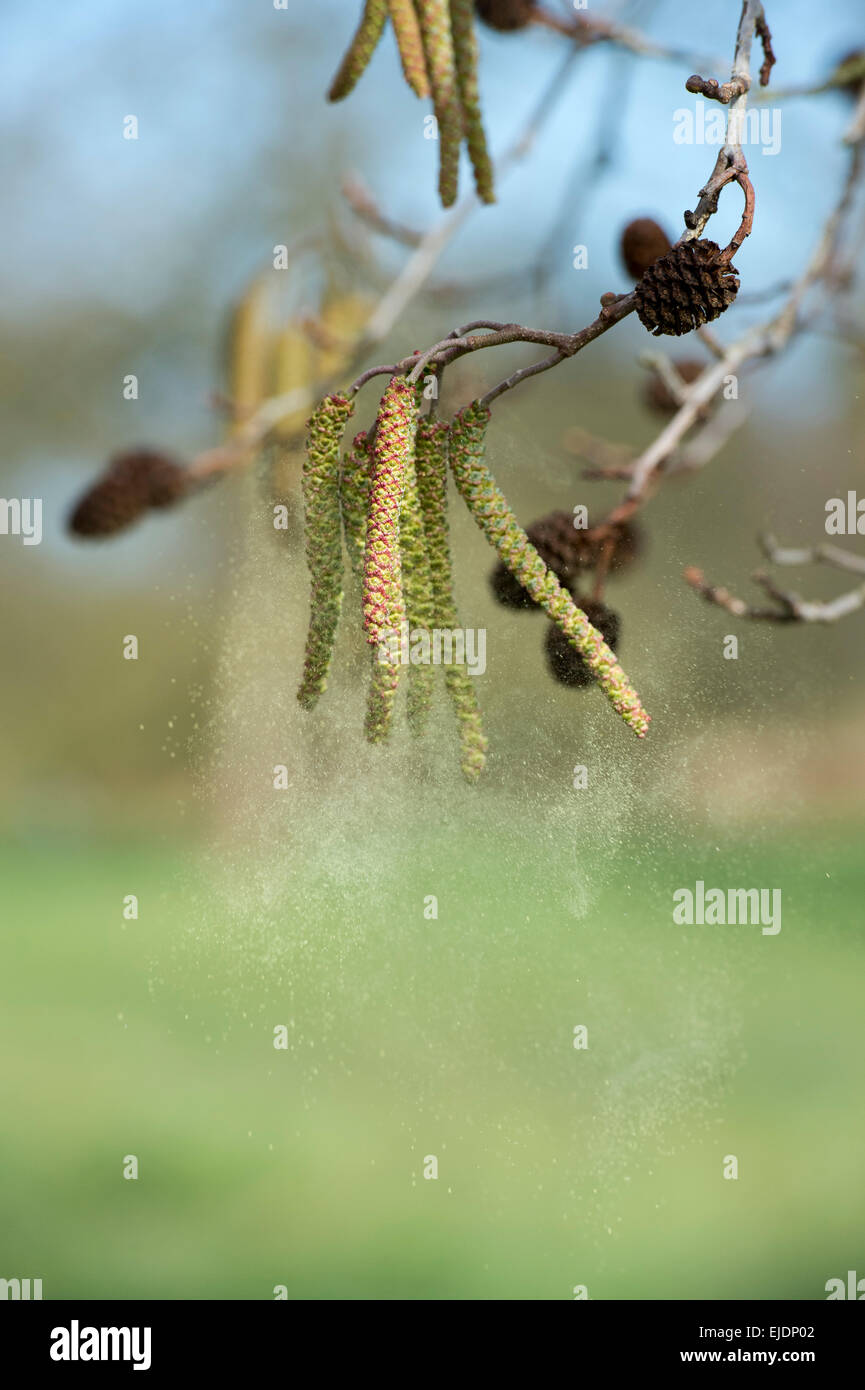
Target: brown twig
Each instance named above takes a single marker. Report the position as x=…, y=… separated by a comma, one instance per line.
x=364, y=206
x=710, y=87
x=831, y=555
x=789, y=607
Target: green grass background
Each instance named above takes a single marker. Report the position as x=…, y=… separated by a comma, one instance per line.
x=411, y=1037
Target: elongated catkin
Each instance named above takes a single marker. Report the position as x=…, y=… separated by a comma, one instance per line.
x=360, y=50
x=495, y=518
x=419, y=602
x=435, y=23
x=431, y=452
x=406, y=26
x=354, y=499
x=323, y=541
x=466, y=56
x=383, y=602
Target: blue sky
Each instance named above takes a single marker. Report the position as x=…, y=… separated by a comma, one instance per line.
x=238, y=150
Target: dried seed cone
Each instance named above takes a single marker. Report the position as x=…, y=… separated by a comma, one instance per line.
x=656, y=393
x=360, y=50
x=435, y=22
x=419, y=600
x=354, y=499
x=567, y=551
x=466, y=54
x=500, y=526
x=506, y=15
x=406, y=26
x=431, y=452
x=853, y=84
x=508, y=591
x=323, y=541
x=133, y=482
x=686, y=288
x=643, y=241
x=565, y=663
x=167, y=482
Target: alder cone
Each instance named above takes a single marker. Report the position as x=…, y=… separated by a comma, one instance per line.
x=564, y=662
x=167, y=482
x=657, y=395
x=559, y=543
x=505, y=15
x=853, y=85
x=688, y=287
x=508, y=591
x=643, y=241
x=132, y=483
x=567, y=551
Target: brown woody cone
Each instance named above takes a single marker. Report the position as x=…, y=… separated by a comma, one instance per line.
x=167, y=482
x=571, y=549
x=657, y=395
x=508, y=591
x=686, y=288
x=563, y=660
x=505, y=15
x=566, y=551
x=853, y=85
x=132, y=483
x=643, y=241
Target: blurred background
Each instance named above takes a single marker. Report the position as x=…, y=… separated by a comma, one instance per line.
x=304, y=908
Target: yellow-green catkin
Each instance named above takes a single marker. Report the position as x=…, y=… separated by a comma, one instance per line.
x=323, y=541
x=495, y=518
x=383, y=603
x=466, y=55
x=360, y=50
x=431, y=451
x=419, y=603
x=354, y=499
x=435, y=23
x=406, y=26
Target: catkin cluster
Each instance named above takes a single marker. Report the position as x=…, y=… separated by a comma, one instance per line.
x=501, y=528
x=389, y=493
x=387, y=497
x=439, y=55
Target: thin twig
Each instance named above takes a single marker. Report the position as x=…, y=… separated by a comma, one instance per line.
x=790, y=607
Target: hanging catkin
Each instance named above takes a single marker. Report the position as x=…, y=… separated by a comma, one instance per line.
x=354, y=499
x=360, y=50
x=383, y=603
x=500, y=526
x=466, y=55
x=393, y=447
x=419, y=601
x=406, y=26
x=431, y=471
x=435, y=21
x=323, y=540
